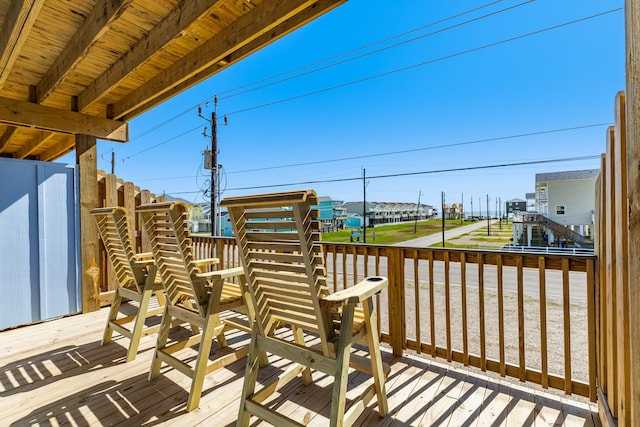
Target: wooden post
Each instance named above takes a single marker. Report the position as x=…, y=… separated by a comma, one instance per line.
x=622, y=280
x=610, y=282
x=397, y=327
x=89, y=258
x=632, y=13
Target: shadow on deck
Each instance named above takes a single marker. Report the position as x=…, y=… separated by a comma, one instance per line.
x=57, y=373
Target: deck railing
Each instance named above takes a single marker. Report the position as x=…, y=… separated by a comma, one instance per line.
x=529, y=316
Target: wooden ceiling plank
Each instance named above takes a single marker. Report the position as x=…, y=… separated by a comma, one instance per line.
x=33, y=145
x=281, y=30
x=173, y=26
x=256, y=22
x=28, y=114
x=58, y=149
x=20, y=18
x=6, y=136
x=96, y=24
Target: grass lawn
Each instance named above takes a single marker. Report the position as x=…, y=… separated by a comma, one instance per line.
x=393, y=233
x=496, y=238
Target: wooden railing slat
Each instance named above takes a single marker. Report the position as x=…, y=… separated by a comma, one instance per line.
x=483, y=346
x=567, y=327
x=463, y=289
x=543, y=322
x=447, y=303
x=501, y=342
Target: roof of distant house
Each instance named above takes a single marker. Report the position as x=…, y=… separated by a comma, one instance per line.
x=516, y=201
x=568, y=175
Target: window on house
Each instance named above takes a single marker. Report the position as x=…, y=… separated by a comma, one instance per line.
x=560, y=210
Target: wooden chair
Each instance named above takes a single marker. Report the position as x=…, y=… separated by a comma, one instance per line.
x=135, y=276
x=277, y=236
x=193, y=297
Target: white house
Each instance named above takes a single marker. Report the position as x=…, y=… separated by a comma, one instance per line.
x=568, y=198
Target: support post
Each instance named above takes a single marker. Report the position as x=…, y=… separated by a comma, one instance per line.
x=88, y=170
x=632, y=14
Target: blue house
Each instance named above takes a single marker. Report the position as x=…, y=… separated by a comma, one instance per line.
x=331, y=211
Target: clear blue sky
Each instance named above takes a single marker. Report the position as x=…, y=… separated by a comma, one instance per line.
x=458, y=82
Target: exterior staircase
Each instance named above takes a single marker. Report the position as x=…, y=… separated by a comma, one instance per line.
x=558, y=230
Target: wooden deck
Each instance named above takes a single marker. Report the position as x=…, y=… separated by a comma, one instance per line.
x=57, y=373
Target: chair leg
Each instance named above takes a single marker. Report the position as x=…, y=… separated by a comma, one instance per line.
x=343, y=354
x=211, y=325
x=113, y=314
x=375, y=355
x=163, y=336
x=298, y=335
x=141, y=317
x=250, y=379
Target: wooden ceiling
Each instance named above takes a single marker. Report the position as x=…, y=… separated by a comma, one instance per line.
x=88, y=66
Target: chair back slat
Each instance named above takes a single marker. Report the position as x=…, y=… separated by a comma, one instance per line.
x=283, y=261
x=167, y=228
x=114, y=231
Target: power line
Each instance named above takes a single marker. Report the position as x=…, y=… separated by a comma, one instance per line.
x=396, y=71
x=379, y=50
x=433, y=147
x=357, y=49
x=169, y=120
x=454, y=144
x=421, y=64
x=163, y=142
x=435, y=171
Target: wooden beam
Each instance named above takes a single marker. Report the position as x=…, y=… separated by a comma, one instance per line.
x=6, y=136
x=264, y=19
x=33, y=145
x=632, y=15
x=20, y=18
x=89, y=252
x=98, y=22
x=173, y=26
x=279, y=31
x=28, y=114
x=59, y=149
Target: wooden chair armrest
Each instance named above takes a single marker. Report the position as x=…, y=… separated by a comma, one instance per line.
x=358, y=293
x=202, y=264
x=221, y=274
x=143, y=257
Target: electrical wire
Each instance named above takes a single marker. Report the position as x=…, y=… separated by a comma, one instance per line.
x=428, y=172
x=169, y=120
x=340, y=55
x=422, y=64
x=364, y=55
x=433, y=147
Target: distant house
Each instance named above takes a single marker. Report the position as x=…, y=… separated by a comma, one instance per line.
x=331, y=211
x=514, y=206
x=390, y=212
x=531, y=201
x=568, y=198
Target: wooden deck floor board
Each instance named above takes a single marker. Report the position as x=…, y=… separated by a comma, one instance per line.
x=57, y=373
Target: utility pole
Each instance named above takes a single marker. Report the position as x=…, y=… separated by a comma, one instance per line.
x=364, y=205
x=488, y=218
x=461, y=209
x=442, y=206
x=415, y=224
x=113, y=162
x=471, y=208
x=215, y=167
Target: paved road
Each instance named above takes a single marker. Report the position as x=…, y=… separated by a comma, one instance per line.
x=426, y=241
